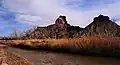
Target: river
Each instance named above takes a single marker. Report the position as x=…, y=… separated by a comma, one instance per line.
x=52, y=58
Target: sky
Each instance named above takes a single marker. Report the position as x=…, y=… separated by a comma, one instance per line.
x=25, y=14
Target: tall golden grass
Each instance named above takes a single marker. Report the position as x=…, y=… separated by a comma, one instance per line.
x=92, y=44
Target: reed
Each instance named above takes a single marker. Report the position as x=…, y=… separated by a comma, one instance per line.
x=92, y=45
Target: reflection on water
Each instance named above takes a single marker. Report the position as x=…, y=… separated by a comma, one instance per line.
x=50, y=58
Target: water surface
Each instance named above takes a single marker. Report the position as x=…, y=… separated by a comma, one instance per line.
x=52, y=58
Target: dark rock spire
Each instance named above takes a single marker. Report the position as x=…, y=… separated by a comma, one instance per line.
x=61, y=20
x=101, y=18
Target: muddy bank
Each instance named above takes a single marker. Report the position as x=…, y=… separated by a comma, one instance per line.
x=10, y=58
x=54, y=58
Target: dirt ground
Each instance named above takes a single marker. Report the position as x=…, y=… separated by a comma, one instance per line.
x=9, y=58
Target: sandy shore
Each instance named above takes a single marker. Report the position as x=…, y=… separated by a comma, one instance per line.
x=9, y=58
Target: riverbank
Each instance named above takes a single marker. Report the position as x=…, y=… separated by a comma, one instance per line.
x=9, y=58
x=54, y=58
x=96, y=46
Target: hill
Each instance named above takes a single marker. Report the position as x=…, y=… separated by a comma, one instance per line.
x=61, y=29
x=101, y=25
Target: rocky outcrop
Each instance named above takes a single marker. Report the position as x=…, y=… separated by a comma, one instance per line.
x=61, y=29
x=101, y=25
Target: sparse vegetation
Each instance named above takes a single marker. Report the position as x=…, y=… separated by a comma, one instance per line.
x=93, y=45
x=10, y=58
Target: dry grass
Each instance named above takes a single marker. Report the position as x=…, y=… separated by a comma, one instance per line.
x=86, y=42
x=10, y=58
x=85, y=45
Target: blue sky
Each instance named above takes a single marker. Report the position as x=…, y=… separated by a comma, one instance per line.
x=24, y=14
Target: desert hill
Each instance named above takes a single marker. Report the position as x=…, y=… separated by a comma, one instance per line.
x=101, y=25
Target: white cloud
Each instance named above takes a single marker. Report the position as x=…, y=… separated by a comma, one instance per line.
x=31, y=19
x=118, y=22
x=44, y=12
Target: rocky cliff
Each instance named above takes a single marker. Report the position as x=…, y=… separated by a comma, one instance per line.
x=101, y=25
x=61, y=29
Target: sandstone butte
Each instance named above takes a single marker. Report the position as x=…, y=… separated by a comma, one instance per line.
x=101, y=25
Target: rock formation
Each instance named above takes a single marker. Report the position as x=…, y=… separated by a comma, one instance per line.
x=61, y=29
x=101, y=25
